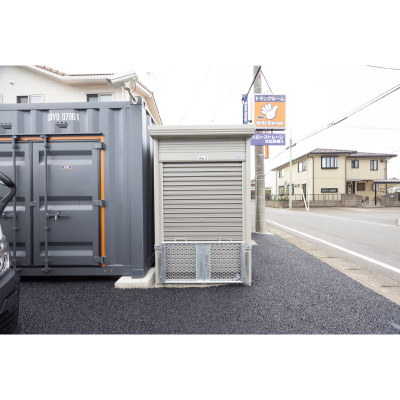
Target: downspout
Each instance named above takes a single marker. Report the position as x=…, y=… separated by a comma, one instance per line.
x=141, y=91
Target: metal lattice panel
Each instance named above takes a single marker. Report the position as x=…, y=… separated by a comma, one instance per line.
x=180, y=262
x=203, y=262
x=225, y=262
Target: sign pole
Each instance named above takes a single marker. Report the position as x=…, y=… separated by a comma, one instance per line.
x=259, y=170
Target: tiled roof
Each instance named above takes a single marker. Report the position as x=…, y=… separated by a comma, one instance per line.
x=55, y=71
x=371, y=155
x=330, y=151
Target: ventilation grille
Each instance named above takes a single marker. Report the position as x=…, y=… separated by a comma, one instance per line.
x=203, y=262
x=225, y=262
x=180, y=261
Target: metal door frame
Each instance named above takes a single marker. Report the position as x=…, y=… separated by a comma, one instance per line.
x=30, y=140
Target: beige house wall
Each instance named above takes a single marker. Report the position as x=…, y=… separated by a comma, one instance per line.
x=298, y=178
x=330, y=178
x=26, y=82
x=364, y=174
x=336, y=177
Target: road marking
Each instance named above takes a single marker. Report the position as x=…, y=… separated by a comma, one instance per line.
x=346, y=219
x=381, y=264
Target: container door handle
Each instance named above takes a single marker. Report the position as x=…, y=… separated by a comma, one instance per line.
x=56, y=216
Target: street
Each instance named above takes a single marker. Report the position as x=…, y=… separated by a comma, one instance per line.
x=368, y=237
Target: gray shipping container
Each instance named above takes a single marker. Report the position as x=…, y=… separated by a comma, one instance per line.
x=84, y=175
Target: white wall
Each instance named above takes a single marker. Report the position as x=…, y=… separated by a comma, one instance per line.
x=26, y=82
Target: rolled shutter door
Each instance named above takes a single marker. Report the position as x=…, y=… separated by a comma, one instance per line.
x=202, y=201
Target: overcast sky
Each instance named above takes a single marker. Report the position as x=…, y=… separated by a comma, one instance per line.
x=198, y=60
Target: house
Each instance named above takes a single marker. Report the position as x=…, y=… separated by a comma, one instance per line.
x=41, y=84
x=325, y=171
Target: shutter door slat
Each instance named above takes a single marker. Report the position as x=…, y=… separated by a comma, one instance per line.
x=202, y=201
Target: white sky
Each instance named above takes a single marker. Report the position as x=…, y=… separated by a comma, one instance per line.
x=198, y=59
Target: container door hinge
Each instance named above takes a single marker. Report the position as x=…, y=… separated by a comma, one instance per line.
x=99, y=146
x=99, y=260
x=99, y=203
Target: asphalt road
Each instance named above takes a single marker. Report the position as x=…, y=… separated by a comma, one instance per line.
x=292, y=293
x=370, y=232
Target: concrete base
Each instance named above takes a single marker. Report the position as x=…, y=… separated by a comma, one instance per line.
x=126, y=282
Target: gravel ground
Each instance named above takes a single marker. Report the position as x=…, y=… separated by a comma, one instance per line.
x=292, y=293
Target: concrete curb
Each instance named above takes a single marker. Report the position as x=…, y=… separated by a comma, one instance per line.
x=382, y=285
x=126, y=282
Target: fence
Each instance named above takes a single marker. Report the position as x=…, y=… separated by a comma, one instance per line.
x=299, y=197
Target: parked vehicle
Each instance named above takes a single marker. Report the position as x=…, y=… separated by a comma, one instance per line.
x=9, y=278
x=394, y=189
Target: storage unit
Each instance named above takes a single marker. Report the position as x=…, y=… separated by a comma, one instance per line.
x=202, y=204
x=84, y=175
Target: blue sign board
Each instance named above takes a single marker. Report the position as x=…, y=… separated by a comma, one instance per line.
x=268, y=139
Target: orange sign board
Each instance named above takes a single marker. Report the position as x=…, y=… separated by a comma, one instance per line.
x=269, y=111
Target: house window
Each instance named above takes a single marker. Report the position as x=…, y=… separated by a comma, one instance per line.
x=33, y=98
x=281, y=173
x=361, y=186
x=329, y=162
x=354, y=163
x=99, y=97
x=22, y=99
x=281, y=189
x=374, y=165
x=302, y=166
x=329, y=190
x=36, y=98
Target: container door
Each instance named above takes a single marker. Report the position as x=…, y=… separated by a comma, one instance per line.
x=18, y=227
x=70, y=230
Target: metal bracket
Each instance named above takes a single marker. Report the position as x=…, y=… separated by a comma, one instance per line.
x=46, y=144
x=99, y=203
x=56, y=216
x=100, y=260
x=157, y=247
x=6, y=125
x=7, y=215
x=62, y=124
x=99, y=146
x=15, y=144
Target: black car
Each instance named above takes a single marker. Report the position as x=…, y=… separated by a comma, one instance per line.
x=9, y=278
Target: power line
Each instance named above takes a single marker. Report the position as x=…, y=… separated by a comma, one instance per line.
x=335, y=122
x=375, y=66
x=190, y=105
x=358, y=109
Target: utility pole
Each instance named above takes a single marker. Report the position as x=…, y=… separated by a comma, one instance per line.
x=259, y=170
x=290, y=172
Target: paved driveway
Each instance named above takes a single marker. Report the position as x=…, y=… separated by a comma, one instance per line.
x=292, y=293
